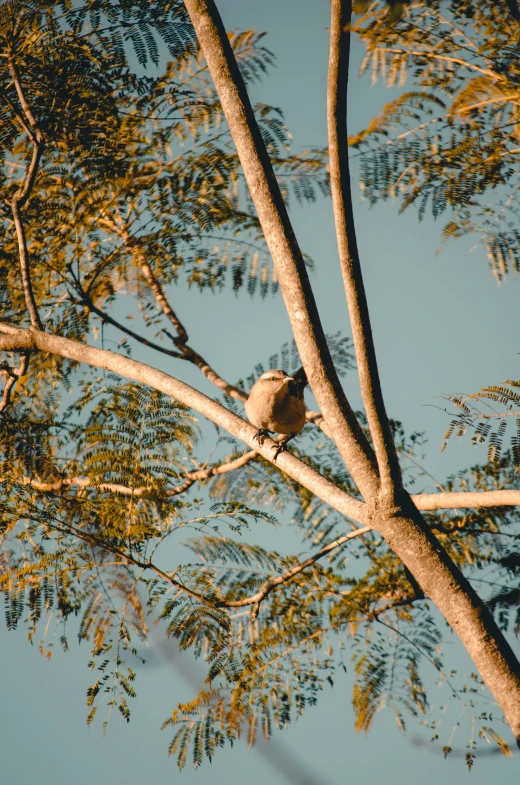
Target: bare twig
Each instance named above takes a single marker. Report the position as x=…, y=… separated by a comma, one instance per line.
x=105, y=317
x=123, y=490
x=274, y=583
x=109, y=547
x=11, y=376
x=270, y=585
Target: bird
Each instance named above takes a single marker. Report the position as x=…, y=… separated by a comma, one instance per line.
x=276, y=405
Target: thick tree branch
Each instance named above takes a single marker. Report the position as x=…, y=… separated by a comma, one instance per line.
x=214, y=411
x=283, y=246
x=378, y=423
x=466, y=500
x=406, y=533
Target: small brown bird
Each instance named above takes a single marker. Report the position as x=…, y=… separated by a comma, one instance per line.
x=276, y=404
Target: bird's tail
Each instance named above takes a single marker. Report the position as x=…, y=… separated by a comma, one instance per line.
x=298, y=384
x=300, y=378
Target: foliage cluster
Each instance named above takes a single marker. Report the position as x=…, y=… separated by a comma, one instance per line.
x=450, y=143
x=139, y=187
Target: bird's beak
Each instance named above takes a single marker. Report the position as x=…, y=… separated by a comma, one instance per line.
x=289, y=379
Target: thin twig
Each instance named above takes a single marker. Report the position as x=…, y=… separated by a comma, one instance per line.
x=22, y=195
x=124, y=490
x=273, y=583
x=11, y=376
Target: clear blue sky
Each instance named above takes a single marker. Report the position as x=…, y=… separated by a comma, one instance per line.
x=441, y=325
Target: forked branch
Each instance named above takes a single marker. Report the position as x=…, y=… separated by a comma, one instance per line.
x=13, y=338
x=280, y=580
x=283, y=246
x=85, y=483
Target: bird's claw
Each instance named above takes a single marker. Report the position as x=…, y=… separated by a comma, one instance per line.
x=282, y=447
x=260, y=436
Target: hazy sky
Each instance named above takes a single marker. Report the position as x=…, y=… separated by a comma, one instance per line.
x=441, y=324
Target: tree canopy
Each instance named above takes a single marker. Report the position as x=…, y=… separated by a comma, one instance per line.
x=132, y=161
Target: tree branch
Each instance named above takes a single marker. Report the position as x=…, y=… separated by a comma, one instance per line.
x=405, y=532
x=13, y=337
x=181, y=340
x=387, y=461
x=22, y=195
x=466, y=500
x=11, y=376
x=98, y=542
x=105, y=317
x=273, y=583
x=189, y=354
x=287, y=257
x=124, y=490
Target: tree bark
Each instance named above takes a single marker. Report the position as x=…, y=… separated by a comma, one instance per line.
x=441, y=580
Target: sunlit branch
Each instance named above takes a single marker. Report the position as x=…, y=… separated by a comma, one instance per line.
x=466, y=500
x=283, y=246
x=86, y=483
x=13, y=338
x=388, y=464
